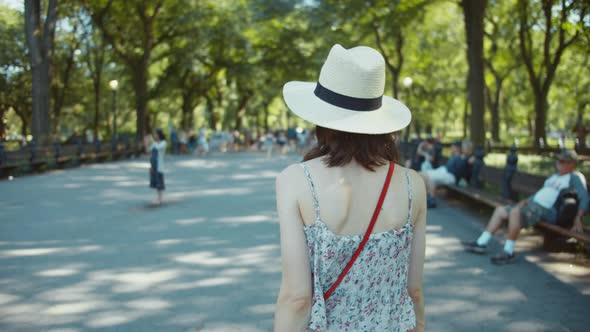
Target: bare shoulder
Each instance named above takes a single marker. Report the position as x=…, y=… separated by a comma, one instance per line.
x=289, y=177
x=417, y=183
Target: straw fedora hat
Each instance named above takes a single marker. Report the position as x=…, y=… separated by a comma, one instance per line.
x=349, y=94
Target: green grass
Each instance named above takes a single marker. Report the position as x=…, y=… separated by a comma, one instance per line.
x=532, y=164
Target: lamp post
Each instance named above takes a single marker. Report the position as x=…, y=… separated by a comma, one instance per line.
x=114, y=84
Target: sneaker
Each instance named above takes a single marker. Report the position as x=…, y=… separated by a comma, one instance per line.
x=474, y=247
x=503, y=258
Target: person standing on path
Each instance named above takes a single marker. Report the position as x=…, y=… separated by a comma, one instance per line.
x=158, y=149
x=345, y=267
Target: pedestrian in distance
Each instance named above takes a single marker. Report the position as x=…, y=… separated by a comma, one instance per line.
x=158, y=150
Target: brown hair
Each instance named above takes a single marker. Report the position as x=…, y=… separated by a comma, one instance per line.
x=341, y=147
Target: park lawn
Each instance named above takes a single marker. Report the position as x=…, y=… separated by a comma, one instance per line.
x=533, y=164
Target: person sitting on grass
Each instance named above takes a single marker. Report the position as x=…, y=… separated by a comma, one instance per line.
x=539, y=207
x=447, y=174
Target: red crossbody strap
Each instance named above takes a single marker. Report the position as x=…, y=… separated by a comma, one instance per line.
x=367, y=233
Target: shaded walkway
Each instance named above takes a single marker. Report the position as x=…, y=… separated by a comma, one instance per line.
x=81, y=250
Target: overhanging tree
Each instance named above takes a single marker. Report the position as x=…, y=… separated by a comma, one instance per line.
x=560, y=24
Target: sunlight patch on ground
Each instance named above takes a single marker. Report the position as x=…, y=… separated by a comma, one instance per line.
x=167, y=243
x=58, y=272
x=245, y=219
x=191, y=221
x=47, y=251
x=7, y=298
x=133, y=281
x=138, y=164
x=206, y=258
x=208, y=282
x=201, y=163
x=262, y=309
x=112, y=318
x=109, y=178
x=255, y=176
x=148, y=304
x=130, y=183
x=78, y=307
x=566, y=267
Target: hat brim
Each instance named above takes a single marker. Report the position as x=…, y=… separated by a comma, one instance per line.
x=564, y=158
x=301, y=100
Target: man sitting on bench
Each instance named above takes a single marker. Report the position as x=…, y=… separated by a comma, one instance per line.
x=539, y=207
x=447, y=174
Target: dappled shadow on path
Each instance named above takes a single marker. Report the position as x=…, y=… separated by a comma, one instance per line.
x=79, y=250
x=83, y=252
x=465, y=292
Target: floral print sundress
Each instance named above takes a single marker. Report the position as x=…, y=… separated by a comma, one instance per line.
x=373, y=296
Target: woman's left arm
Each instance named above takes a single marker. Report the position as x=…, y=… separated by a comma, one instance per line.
x=295, y=296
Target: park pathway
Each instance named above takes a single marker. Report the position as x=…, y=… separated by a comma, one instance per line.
x=81, y=250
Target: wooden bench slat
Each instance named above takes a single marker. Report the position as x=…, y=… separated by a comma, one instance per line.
x=564, y=232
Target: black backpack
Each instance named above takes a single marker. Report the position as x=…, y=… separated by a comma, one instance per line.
x=566, y=207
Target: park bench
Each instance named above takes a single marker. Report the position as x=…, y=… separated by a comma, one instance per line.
x=34, y=158
x=524, y=184
x=511, y=184
x=24, y=157
x=63, y=155
x=102, y=152
x=85, y=152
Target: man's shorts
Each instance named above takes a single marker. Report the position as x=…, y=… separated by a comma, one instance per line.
x=532, y=213
x=440, y=175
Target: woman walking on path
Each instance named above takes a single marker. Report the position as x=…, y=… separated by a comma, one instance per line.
x=345, y=267
x=158, y=150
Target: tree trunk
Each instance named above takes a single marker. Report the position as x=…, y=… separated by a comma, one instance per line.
x=241, y=112
x=39, y=41
x=266, y=116
x=24, y=128
x=40, y=101
x=495, y=110
x=529, y=123
x=187, y=109
x=210, y=113
x=465, y=115
x=60, y=94
x=140, y=77
x=2, y=126
x=96, y=83
x=541, y=106
x=473, y=11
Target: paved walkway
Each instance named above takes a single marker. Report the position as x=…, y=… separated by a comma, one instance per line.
x=81, y=250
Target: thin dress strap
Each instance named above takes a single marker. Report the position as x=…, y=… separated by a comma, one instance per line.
x=410, y=197
x=316, y=202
